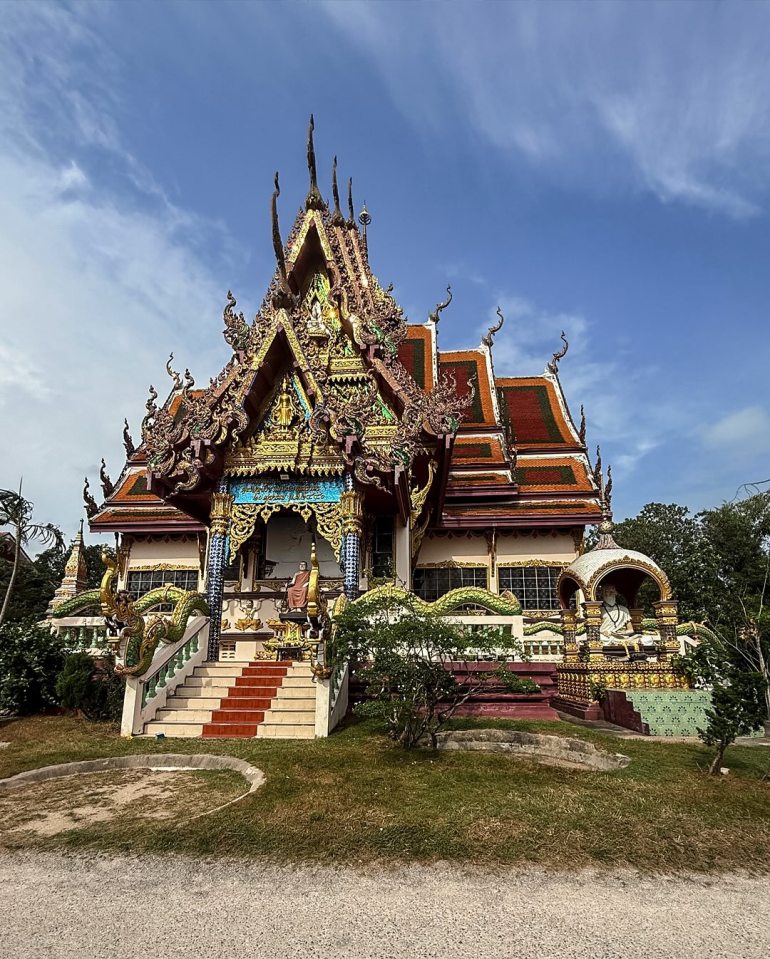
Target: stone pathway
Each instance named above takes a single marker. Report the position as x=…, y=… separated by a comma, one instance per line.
x=99, y=908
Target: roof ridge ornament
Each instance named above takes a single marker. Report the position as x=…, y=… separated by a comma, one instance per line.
x=314, y=200
x=489, y=337
x=90, y=503
x=337, y=218
x=177, y=380
x=283, y=296
x=351, y=211
x=435, y=316
x=128, y=443
x=365, y=218
x=582, y=430
x=108, y=487
x=553, y=365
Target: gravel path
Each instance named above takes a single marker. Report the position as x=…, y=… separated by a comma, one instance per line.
x=91, y=908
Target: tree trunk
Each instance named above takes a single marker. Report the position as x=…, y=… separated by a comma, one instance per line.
x=14, y=571
x=716, y=762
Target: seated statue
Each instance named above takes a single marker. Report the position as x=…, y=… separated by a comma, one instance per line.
x=616, y=619
x=296, y=591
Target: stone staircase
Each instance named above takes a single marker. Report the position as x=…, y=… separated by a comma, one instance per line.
x=240, y=700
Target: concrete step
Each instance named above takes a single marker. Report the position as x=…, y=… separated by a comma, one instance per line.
x=194, y=702
x=295, y=682
x=183, y=716
x=270, y=731
x=174, y=730
x=219, y=669
x=292, y=705
x=290, y=717
x=245, y=702
x=297, y=692
x=238, y=716
x=230, y=730
x=208, y=682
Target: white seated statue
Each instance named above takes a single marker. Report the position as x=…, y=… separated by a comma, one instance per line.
x=616, y=620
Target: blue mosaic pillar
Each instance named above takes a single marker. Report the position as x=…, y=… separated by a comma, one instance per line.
x=221, y=502
x=350, y=548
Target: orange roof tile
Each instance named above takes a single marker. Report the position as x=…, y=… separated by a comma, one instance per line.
x=535, y=411
x=469, y=366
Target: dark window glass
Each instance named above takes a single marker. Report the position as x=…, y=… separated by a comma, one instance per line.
x=140, y=582
x=382, y=546
x=430, y=584
x=533, y=586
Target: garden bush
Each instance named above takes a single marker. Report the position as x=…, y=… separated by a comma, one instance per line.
x=31, y=658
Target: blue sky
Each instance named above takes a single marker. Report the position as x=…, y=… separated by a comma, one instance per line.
x=601, y=168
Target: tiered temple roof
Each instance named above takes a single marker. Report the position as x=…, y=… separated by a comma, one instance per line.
x=330, y=360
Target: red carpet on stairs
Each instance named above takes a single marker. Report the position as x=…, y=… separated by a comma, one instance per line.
x=244, y=707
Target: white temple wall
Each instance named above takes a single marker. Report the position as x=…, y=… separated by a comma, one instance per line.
x=548, y=548
x=463, y=549
x=181, y=551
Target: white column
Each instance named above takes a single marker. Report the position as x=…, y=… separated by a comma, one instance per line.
x=403, y=542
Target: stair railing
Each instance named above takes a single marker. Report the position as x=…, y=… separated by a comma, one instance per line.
x=146, y=694
x=331, y=702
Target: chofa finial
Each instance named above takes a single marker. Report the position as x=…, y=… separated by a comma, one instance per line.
x=337, y=218
x=582, y=430
x=492, y=332
x=283, y=296
x=553, y=365
x=108, y=487
x=351, y=211
x=174, y=375
x=314, y=200
x=128, y=443
x=90, y=503
x=435, y=316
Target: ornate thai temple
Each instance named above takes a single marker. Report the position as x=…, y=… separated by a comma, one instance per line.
x=341, y=449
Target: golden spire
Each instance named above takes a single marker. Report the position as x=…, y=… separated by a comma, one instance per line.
x=314, y=200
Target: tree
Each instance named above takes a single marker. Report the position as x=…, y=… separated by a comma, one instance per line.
x=93, y=688
x=415, y=664
x=31, y=657
x=16, y=512
x=675, y=539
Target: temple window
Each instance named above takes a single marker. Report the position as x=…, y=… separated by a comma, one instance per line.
x=142, y=581
x=533, y=586
x=382, y=546
x=432, y=582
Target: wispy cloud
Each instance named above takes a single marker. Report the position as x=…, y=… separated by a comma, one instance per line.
x=99, y=282
x=669, y=98
x=745, y=432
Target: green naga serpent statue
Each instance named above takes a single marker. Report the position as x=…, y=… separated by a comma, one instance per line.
x=125, y=614
x=504, y=604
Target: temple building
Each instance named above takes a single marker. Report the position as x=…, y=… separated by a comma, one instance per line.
x=339, y=449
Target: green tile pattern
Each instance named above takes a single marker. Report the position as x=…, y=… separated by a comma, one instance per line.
x=672, y=713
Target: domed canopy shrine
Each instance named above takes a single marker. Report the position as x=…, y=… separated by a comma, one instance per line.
x=338, y=449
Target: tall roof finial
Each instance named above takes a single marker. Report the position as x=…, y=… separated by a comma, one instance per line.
x=553, y=366
x=435, y=316
x=598, y=474
x=364, y=218
x=337, y=218
x=314, y=200
x=284, y=293
x=351, y=211
x=582, y=431
x=489, y=336
x=108, y=487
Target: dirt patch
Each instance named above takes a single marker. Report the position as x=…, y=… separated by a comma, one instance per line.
x=49, y=808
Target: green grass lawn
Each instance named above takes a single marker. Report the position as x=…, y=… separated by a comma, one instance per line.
x=357, y=798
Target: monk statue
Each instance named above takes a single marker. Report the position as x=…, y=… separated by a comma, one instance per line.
x=296, y=591
x=616, y=619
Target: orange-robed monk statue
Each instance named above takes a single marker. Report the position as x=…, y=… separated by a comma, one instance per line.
x=296, y=592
